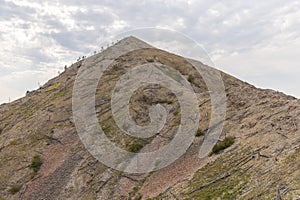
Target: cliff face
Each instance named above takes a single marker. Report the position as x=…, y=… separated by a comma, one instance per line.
x=42, y=157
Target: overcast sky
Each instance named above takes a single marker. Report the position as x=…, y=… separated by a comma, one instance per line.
x=257, y=41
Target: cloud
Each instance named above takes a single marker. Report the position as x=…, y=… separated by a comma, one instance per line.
x=17, y=83
x=35, y=34
x=10, y=10
x=275, y=67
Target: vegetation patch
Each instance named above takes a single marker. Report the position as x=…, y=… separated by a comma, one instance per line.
x=36, y=163
x=176, y=112
x=220, y=179
x=220, y=146
x=136, y=147
x=199, y=133
x=55, y=86
x=15, y=188
x=13, y=142
x=191, y=79
x=164, y=101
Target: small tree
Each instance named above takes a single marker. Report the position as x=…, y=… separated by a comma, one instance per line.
x=36, y=163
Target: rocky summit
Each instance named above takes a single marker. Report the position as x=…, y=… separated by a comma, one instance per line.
x=257, y=155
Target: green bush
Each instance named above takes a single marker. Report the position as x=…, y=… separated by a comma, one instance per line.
x=36, y=163
x=191, y=78
x=199, y=133
x=163, y=101
x=15, y=188
x=220, y=146
x=176, y=112
x=135, y=147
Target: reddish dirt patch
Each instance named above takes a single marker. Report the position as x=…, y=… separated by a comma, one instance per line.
x=180, y=170
x=53, y=157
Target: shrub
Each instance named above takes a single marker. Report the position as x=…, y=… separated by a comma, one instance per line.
x=176, y=112
x=164, y=101
x=15, y=188
x=191, y=78
x=36, y=163
x=220, y=146
x=199, y=133
x=135, y=147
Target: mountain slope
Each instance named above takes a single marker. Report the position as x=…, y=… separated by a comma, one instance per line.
x=263, y=162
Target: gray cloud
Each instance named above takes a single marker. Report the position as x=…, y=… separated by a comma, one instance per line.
x=10, y=10
x=75, y=40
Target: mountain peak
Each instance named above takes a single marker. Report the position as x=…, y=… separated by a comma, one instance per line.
x=42, y=154
x=132, y=41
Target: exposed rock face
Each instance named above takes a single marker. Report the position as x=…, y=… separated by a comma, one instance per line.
x=263, y=163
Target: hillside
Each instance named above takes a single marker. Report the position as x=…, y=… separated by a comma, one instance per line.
x=42, y=156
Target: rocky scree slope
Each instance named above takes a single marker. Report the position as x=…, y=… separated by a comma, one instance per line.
x=42, y=157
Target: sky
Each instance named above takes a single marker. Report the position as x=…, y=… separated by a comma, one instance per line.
x=256, y=41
